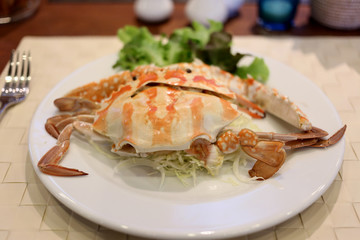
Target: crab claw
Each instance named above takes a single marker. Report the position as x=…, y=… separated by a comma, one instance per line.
x=313, y=139
x=263, y=170
x=268, y=152
x=48, y=164
x=270, y=155
x=332, y=140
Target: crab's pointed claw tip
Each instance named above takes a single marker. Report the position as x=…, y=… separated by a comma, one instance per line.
x=332, y=140
x=338, y=135
x=316, y=132
x=57, y=170
x=49, y=163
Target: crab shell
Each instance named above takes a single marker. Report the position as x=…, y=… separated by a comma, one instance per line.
x=166, y=109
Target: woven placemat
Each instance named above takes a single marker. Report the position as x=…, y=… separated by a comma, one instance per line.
x=28, y=211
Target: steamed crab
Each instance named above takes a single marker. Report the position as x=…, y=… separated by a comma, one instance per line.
x=191, y=107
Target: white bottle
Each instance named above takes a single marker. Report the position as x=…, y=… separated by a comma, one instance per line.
x=153, y=10
x=204, y=10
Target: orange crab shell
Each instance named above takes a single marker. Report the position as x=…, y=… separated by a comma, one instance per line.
x=190, y=75
x=163, y=118
x=157, y=108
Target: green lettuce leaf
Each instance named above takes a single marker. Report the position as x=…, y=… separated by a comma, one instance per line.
x=257, y=69
x=140, y=47
x=212, y=45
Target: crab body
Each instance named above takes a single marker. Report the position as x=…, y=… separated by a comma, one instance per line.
x=190, y=107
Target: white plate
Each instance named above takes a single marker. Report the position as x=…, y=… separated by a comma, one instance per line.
x=216, y=207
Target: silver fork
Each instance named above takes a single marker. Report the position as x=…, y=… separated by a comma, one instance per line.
x=17, y=81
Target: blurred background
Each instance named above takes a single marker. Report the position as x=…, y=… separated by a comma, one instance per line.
x=240, y=17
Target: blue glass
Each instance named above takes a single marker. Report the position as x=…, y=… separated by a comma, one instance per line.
x=277, y=15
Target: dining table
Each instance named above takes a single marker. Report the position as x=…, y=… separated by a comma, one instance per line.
x=63, y=36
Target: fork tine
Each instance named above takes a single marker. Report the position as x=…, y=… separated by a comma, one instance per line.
x=22, y=70
x=24, y=77
x=9, y=78
x=28, y=76
x=16, y=85
x=15, y=78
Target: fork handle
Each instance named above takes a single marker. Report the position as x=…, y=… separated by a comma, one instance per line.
x=4, y=106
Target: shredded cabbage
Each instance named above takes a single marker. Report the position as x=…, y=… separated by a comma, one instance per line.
x=135, y=161
x=237, y=163
x=180, y=163
x=184, y=166
x=175, y=163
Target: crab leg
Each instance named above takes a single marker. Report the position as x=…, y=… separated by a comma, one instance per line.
x=313, y=133
x=257, y=97
x=270, y=155
x=83, y=118
x=251, y=108
x=266, y=170
x=50, y=124
x=55, y=125
x=313, y=137
x=300, y=143
x=96, y=92
x=49, y=163
x=73, y=104
x=332, y=140
x=275, y=103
